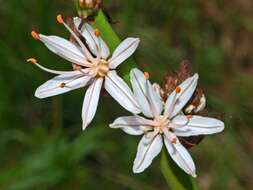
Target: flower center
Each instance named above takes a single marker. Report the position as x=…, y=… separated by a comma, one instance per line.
x=102, y=68
x=162, y=123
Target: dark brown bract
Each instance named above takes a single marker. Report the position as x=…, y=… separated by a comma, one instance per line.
x=172, y=80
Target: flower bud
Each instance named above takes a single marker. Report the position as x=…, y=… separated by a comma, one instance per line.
x=88, y=9
x=89, y=4
x=196, y=104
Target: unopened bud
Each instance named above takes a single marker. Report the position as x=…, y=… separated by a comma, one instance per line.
x=89, y=4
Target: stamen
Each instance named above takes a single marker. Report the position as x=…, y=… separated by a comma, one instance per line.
x=146, y=74
x=62, y=85
x=77, y=67
x=178, y=89
x=32, y=60
x=85, y=50
x=59, y=19
x=35, y=35
x=174, y=141
x=174, y=101
x=97, y=32
x=98, y=46
x=172, y=138
x=189, y=117
x=35, y=62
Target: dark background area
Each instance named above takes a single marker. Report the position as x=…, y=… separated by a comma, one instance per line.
x=41, y=143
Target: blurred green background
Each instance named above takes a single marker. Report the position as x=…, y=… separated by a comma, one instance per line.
x=41, y=143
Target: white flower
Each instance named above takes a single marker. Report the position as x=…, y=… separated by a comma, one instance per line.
x=164, y=122
x=93, y=68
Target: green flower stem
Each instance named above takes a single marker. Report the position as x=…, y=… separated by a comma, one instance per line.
x=113, y=40
x=176, y=178
x=109, y=36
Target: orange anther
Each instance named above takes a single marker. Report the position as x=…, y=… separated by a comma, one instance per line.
x=178, y=89
x=174, y=141
x=97, y=32
x=59, y=19
x=62, y=85
x=189, y=116
x=32, y=60
x=147, y=75
x=35, y=35
x=77, y=67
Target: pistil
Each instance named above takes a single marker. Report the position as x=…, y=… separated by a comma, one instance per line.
x=162, y=123
x=102, y=68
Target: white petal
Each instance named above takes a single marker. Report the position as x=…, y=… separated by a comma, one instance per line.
x=149, y=147
x=120, y=91
x=64, y=48
x=96, y=44
x=155, y=100
x=53, y=87
x=176, y=102
x=157, y=88
x=133, y=125
x=91, y=101
x=180, y=155
x=123, y=51
x=197, y=125
x=139, y=85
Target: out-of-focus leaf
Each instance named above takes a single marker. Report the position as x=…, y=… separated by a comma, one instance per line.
x=56, y=159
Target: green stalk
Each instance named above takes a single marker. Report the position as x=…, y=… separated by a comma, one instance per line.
x=109, y=36
x=113, y=40
x=175, y=177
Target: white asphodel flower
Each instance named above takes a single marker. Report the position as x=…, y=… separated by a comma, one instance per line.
x=92, y=67
x=164, y=122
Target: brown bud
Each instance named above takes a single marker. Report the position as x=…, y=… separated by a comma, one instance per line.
x=195, y=104
x=171, y=82
x=90, y=4
x=190, y=142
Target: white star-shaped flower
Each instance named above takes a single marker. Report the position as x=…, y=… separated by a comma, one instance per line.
x=164, y=122
x=92, y=67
